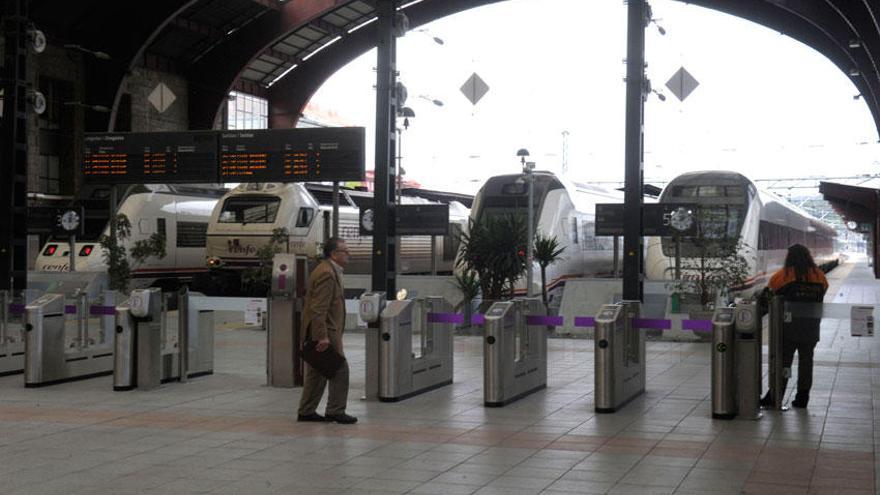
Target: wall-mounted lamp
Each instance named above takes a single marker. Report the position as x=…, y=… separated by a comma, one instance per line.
x=435, y=101
x=97, y=54
x=96, y=108
x=857, y=96
x=427, y=32
x=406, y=113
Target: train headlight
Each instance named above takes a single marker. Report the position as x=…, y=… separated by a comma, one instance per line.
x=214, y=262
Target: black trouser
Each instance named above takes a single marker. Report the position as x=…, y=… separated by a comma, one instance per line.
x=805, y=363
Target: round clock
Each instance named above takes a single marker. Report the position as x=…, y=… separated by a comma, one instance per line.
x=367, y=220
x=746, y=318
x=69, y=220
x=681, y=219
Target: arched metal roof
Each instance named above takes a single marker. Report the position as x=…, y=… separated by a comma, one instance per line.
x=248, y=44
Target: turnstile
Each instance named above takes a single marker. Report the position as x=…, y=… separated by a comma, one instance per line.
x=283, y=361
x=147, y=354
x=619, y=356
x=514, y=351
x=49, y=356
x=736, y=362
x=11, y=338
x=409, y=366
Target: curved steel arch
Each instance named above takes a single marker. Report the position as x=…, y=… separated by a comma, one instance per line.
x=823, y=25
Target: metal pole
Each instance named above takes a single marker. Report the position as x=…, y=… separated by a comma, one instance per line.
x=616, y=248
x=384, y=245
x=632, y=220
x=336, y=209
x=4, y=319
x=677, y=258
x=71, y=246
x=774, y=361
x=530, y=241
x=183, y=333
x=433, y=255
x=82, y=319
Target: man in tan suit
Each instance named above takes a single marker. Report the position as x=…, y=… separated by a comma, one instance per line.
x=324, y=322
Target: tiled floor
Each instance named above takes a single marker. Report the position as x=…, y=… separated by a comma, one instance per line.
x=229, y=434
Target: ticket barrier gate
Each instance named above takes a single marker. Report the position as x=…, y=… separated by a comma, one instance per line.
x=146, y=354
x=514, y=352
x=11, y=338
x=736, y=362
x=619, y=356
x=409, y=366
x=49, y=358
x=284, y=366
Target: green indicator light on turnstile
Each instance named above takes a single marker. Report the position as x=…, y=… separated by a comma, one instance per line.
x=722, y=347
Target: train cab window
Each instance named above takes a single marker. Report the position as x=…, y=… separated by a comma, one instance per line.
x=250, y=209
x=305, y=217
x=711, y=191
x=684, y=191
x=514, y=188
x=451, y=242
x=733, y=191
x=192, y=234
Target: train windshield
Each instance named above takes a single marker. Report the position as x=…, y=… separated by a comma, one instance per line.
x=250, y=209
x=719, y=228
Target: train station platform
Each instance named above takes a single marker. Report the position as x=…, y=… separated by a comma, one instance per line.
x=230, y=434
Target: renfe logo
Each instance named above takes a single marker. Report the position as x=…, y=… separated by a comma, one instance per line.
x=54, y=268
x=235, y=247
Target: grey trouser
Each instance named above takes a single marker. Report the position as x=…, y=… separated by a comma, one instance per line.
x=313, y=390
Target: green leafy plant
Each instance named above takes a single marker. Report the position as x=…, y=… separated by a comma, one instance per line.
x=469, y=284
x=546, y=252
x=116, y=255
x=493, y=248
x=257, y=280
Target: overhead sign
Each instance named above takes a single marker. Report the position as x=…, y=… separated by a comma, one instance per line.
x=658, y=219
x=430, y=219
x=293, y=155
x=56, y=221
x=475, y=88
x=150, y=158
x=682, y=84
x=260, y=155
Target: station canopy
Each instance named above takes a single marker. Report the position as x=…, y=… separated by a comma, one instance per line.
x=285, y=50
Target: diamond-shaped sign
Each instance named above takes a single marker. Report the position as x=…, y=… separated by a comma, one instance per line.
x=682, y=83
x=161, y=97
x=474, y=88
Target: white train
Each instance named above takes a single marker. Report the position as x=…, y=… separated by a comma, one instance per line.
x=179, y=212
x=766, y=224
x=562, y=209
x=244, y=219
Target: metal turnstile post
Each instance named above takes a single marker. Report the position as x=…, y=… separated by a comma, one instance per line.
x=723, y=364
x=619, y=356
x=44, y=337
x=370, y=308
x=774, y=359
x=403, y=374
x=137, y=359
x=282, y=352
x=514, y=352
x=748, y=360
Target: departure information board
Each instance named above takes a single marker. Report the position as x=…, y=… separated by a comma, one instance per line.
x=150, y=158
x=292, y=155
x=261, y=155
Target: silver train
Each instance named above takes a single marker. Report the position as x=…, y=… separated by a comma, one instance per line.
x=244, y=219
x=765, y=223
x=562, y=209
x=180, y=213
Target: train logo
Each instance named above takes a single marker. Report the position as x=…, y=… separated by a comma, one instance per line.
x=234, y=246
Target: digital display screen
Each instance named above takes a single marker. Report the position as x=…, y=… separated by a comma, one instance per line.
x=292, y=155
x=150, y=158
x=193, y=157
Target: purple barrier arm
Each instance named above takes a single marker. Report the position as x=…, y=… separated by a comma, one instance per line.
x=584, y=321
x=543, y=320
x=478, y=319
x=70, y=309
x=697, y=325
x=652, y=323
x=102, y=310
x=445, y=318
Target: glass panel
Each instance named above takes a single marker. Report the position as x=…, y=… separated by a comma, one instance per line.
x=244, y=210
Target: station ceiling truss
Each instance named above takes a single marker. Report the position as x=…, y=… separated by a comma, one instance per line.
x=285, y=50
